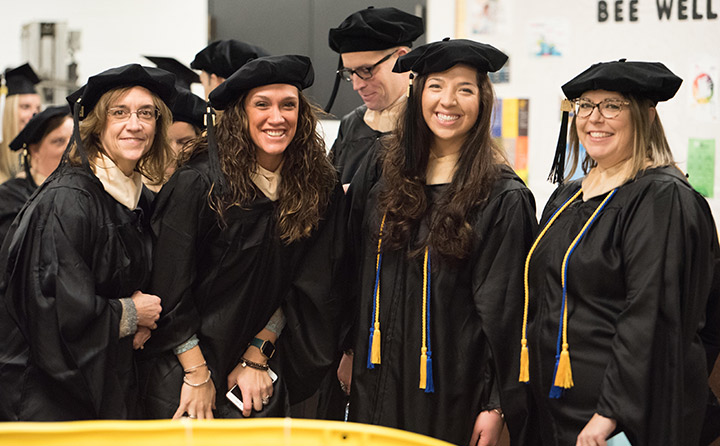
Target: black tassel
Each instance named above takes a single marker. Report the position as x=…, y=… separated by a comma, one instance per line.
x=409, y=137
x=557, y=171
x=216, y=174
x=77, y=107
x=330, y=103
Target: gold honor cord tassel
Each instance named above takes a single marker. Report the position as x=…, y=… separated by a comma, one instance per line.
x=563, y=374
x=524, y=353
x=423, y=349
x=375, y=334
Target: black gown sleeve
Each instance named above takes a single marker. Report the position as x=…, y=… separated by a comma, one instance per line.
x=498, y=294
x=182, y=215
x=309, y=340
x=669, y=256
x=72, y=332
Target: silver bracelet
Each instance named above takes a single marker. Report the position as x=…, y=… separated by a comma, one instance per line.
x=185, y=380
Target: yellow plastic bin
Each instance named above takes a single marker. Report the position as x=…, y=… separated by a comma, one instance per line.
x=254, y=432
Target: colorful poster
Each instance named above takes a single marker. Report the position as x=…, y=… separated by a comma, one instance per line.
x=701, y=165
x=548, y=38
x=510, y=127
x=703, y=92
x=486, y=17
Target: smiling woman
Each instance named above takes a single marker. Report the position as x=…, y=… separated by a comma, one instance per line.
x=80, y=250
x=621, y=299
x=441, y=224
x=248, y=219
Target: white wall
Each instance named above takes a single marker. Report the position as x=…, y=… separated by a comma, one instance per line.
x=114, y=32
x=678, y=44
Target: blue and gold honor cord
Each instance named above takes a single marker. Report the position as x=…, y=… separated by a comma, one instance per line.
x=563, y=371
x=374, y=357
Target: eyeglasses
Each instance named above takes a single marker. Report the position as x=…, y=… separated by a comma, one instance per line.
x=123, y=114
x=364, y=73
x=608, y=108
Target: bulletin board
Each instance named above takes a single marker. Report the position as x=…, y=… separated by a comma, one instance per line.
x=550, y=42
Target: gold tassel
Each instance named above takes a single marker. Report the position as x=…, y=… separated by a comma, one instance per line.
x=423, y=368
x=375, y=352
x=563, y=377
x=524, y=363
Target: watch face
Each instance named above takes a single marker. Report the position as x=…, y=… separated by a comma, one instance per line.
x=268, y=349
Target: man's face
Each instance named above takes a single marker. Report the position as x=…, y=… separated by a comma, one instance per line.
x=383, y=87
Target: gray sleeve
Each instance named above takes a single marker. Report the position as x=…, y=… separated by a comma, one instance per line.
x=187, y=345
x=129, y=319
x=277, y=322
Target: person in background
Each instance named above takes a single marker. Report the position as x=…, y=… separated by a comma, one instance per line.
x=623, y=279
x=369, y=42
x=42, y=141
x=77, y=258
x=188, y=110
x=21, y=103
x=252, y=222
x=219, y=60
x=442, y=233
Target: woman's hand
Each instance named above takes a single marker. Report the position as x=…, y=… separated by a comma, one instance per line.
x=344, y=372
x=596, y=431
x=255, y=385
x=487, y=429
x=141, y=337
x=197, y=402
x=148, y=309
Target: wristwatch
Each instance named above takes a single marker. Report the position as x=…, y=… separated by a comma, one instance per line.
x=266, y=347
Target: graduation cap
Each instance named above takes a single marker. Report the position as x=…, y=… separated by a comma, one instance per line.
x=375, y=29
x=437, y=57
x=184, y=75
x=33, y=132
x=189, y=107
x=651, y=80
x=21, y=80
x=372, y=29
x=157, y=80
x=291, y=69
x=224, y=57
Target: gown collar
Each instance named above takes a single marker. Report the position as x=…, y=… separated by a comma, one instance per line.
x=268, y=182
x=125, y=190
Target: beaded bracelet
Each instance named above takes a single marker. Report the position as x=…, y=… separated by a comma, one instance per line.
x=190, y=369
x=185, y=380
x=253, y=365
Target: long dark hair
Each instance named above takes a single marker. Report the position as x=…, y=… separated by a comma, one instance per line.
x=403, y=198
x=308, y=177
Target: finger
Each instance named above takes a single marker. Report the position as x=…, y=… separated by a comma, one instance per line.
x=179, y=412
x=247, y=402
x=153, y=327
x=474, y=438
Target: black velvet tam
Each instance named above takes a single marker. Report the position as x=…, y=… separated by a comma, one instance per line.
x=439, y=56
x=374, y=29
x=21, y=80
x=290, y=69
x=35, y=129
x=157, y=80
x=184, y=75
x=224, y=57
x=652, y=80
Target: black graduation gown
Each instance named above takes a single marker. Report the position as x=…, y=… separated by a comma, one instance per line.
x=13, y=195
x=70, y=255
x=638, y=286
x=475, y=314
x=224, y=285
x=354, y=141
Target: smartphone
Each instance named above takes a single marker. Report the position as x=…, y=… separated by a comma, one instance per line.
x=235, y=395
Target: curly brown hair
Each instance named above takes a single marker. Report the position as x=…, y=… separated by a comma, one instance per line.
x=308, y=178
x=152, y=163
x=403, y=198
